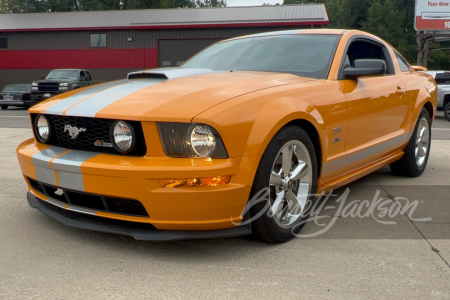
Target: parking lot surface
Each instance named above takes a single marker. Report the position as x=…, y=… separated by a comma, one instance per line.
x=356, y=258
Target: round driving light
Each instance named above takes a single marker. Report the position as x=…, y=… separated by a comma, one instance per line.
x=203, y=141
x=123, y=136
x=42, y=128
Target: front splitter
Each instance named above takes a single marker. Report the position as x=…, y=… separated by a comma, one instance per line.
x=138, y=231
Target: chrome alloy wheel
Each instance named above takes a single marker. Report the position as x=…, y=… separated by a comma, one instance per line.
x=290, y=184
x=422, y=141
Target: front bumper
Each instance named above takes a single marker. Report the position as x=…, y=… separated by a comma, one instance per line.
x=15, y=102
x=138, y=231
x=139, y=178
x=41, y=96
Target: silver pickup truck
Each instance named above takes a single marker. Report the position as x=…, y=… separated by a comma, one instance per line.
x=443, y=82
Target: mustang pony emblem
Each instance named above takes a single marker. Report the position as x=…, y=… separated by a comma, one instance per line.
x=73, y=131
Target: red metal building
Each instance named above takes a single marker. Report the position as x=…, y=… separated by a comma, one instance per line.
x=113, y=43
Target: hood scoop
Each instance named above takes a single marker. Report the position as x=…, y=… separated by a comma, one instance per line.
x=167, y=73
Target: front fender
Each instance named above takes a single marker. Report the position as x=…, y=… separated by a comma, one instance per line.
x=248, y=124
x=275, y=115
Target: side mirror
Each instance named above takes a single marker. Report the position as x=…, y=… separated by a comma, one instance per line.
x=42, y=77
x=366, y=67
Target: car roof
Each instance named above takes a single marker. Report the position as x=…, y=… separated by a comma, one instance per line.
x=291, y=32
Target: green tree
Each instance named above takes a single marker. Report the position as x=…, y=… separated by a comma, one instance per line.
x=341, y=13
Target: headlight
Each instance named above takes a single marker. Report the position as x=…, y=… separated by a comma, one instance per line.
x=123, y=136
x=191, y=140
x=34, y=84
x=62, y=88
x=34, y=88
x=42, y=128
x=63, y=84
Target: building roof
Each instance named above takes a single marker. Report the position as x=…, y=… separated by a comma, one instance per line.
x=280, y=15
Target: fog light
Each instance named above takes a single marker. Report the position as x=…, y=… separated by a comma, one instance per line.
x=196, y=182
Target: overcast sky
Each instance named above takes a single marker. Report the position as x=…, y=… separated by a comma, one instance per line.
x=251, y=2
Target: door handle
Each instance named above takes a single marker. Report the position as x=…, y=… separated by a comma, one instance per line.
x=400, y=91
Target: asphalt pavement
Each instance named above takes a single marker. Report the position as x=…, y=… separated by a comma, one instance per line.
x=350, y=255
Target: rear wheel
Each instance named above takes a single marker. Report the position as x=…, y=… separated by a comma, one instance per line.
x=288, y=172
x=415, y=159
x=4, y=106
x=447, y=111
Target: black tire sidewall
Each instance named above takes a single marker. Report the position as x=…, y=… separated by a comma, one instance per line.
x=272, y=232
x=446, y=111
x=410, y=155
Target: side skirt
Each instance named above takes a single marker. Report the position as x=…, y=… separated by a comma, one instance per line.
x=332, y=185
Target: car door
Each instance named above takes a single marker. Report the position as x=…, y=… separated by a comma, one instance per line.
x=88, y=78
x=376, y=106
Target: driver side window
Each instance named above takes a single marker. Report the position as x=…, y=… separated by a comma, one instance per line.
x=82, y=77
x=362, y=49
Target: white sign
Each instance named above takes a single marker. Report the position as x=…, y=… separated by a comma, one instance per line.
x=432, y=15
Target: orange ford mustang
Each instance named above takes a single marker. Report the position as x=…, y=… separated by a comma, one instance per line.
x=177, y=153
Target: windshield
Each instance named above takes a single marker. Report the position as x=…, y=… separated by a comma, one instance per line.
x=299, y=54
x=63, y=74
x=17, y=88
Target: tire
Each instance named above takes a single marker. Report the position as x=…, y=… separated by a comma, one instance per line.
x=277, y=228
x=447, y=111
x=412, y=165
x=4, y=106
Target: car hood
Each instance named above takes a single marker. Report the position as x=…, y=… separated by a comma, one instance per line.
x=162, y=95
x=54, y=80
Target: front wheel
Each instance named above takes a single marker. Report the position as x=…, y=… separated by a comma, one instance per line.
x=4, y=106
x=288, y=173
x=415, y=159
x=447, y=111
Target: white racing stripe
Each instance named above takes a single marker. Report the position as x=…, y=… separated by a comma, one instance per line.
x=352, y=158
x=41, y=161
x=91, y=106
x=68, y=167
x=65, y=104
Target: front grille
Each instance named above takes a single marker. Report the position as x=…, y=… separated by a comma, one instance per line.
x=96, y=130
x=91, y=201
x=48, y=87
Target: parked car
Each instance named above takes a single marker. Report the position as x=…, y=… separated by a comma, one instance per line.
x=60, y=81
x=443, y=82
x=15, y=95
x=276, y=118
